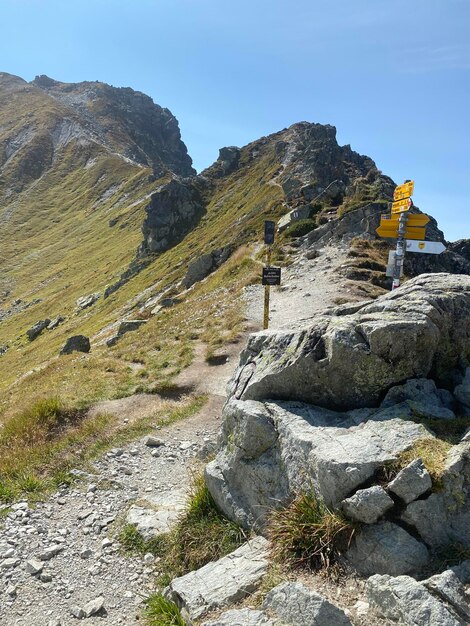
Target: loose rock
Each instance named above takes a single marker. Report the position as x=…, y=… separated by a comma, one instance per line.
x=411, y=482
x=367, y=505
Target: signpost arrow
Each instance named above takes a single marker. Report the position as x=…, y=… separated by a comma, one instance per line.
x=401, y=205
x=391, y=231
x=412, y=220
x=404, y=191
x=427, y=247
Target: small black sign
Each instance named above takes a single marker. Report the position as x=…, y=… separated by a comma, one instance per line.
x=271, y=276
x=269, y=230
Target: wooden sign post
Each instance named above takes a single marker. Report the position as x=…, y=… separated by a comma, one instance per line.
x=271, y=275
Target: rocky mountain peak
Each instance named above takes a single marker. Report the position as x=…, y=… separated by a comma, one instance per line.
x=128, y=121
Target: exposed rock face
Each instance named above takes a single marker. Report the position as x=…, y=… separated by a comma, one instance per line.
x=438, y=602
x=363, y=222
x=86, y=301
x=367, y=505
x=126, y=326
x=442, y=518
x=350, y=360
x=205, y=265
x=173, y=211
x=127, y=120
x=411, y=482
x=241, y=617
x=227, y=162
x=271, y=451
x=385, y=548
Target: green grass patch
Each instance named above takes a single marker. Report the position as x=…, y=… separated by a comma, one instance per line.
x=39, y=447
x=309, y=534
x=159, y=611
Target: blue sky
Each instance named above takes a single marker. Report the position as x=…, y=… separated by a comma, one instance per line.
x=393, y=76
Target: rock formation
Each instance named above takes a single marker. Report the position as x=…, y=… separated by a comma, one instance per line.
x=283, y=434
x=174, y=210
x=351, y=357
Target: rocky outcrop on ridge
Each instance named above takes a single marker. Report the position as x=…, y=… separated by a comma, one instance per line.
x=281, y=437
x=350, y=357
x=174, y=210
x=363, y=222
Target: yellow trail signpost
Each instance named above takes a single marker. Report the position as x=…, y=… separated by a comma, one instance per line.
x=406, y=228
x=404, y=191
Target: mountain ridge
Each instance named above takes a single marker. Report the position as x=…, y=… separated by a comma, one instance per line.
x=71, y=224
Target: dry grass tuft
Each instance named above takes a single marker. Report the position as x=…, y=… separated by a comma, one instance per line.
x=308, y=534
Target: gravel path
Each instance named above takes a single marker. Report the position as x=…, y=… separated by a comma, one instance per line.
x=60, y=561
x=307, y=288
x=41, y=588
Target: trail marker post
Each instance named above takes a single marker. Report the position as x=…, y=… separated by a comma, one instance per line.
x=408, y=229
x=271, y=275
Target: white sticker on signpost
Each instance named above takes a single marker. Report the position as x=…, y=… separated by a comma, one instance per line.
x=426, y=247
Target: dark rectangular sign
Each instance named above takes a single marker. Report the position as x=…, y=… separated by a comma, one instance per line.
x=269, y=230
x=271, y=276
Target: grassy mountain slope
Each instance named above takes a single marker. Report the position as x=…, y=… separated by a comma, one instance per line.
x=71, y=227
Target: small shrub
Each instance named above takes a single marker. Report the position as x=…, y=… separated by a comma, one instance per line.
x=29, y=483
x=300, y=228
x=308, y=534
x=133, y=542
x=203, y=534
x=160, y=611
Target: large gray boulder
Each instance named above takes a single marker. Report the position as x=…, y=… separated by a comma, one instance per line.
x=423, y=397
x=77, y=343
x=174, y=209
x=406, y=602
x=448, y=586
x=351, y=359
x=271, y=451
x=385, y=548
x=205, y=265
x=86, y=301
x=37, y=329
x=296, y=605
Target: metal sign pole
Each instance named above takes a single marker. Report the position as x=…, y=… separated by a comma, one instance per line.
x=267, y=291
x=400, y=250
